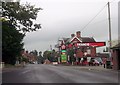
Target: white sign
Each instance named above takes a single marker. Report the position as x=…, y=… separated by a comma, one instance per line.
x=83, y=44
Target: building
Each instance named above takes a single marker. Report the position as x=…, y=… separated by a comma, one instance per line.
x=116, y=56
x=82, y=47
x=30, y=56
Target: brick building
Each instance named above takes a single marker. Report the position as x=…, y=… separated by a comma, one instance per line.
x=116, y=56
x=83, y=46
x=30, y=56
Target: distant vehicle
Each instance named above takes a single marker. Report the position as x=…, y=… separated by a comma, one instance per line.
x=55, y=63
x=99, y=60
x=95, y=61
x=31, y=62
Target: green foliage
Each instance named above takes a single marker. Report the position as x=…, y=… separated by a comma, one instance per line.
x=16, y=21
x=71, y=54
x=40, y=53
x=50, y=55
x=24, y=59
x=16, y=18
x=40, y=59
x=21, y=16
x=47, y=54
x=34, y=52
x=11, y=42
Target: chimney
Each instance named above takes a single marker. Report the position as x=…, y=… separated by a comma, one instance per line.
x=72, y=35
x=78, y=34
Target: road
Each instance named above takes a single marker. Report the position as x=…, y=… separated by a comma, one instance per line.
x=40, y=73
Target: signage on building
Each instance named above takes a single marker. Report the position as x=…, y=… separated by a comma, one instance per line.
x=94, y=44
x=63, y=51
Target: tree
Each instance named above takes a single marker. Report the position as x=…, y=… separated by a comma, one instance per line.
x=47, y=55
x=16, y=21
x=34, y=52
x=40, y=53
x=50, y=55
x=11, y=43
x=40, y=58
x=54, y=55
x=21, y=16
x=71, y=54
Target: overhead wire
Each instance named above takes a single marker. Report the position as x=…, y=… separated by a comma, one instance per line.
x=93, y=18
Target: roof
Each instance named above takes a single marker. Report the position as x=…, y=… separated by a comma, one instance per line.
x=116, y=46
x=66, y=39
x=88, y=39
x=103, y=55
x=83, y=39
x=71, y=39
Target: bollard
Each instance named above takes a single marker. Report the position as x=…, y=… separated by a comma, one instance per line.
x=104, y=65
x=2, y=65
x=72, y=63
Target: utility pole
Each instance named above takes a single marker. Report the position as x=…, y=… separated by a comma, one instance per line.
x=51, y=47
x=110, y=40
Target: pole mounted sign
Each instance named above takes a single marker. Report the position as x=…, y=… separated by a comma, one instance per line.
x=63, y=58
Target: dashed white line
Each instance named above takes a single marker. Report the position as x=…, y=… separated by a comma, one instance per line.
x=25, y=71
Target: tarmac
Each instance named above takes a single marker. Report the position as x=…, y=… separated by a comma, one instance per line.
x=94, y=68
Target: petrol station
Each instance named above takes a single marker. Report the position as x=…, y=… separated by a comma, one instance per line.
x=82, y=47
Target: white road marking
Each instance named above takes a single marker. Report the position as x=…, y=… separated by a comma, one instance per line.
x=25, y=71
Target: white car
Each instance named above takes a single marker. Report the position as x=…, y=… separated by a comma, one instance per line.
x=55, y=63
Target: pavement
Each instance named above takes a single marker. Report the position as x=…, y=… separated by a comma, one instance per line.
x=96, y=68
x=8, y=69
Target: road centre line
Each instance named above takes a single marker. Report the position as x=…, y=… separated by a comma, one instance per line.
x=25, y=71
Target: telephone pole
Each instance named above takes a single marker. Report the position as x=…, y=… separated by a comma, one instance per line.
x=110, y=40
x=51, y=47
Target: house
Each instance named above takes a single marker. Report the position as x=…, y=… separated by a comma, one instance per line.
x=30, y=56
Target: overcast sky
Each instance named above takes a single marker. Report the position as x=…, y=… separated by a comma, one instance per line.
x=61, y=18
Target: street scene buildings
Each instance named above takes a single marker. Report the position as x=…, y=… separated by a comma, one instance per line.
x=83, y=48
x=69, y=41
x=81, y=51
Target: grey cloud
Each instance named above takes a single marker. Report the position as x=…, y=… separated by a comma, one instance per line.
x=62, y=17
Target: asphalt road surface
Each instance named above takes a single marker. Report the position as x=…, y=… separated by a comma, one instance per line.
x=40, y=73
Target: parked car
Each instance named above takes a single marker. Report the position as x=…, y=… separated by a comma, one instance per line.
x=95, y=62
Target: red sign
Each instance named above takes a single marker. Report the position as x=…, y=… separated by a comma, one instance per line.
x=94, y=44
